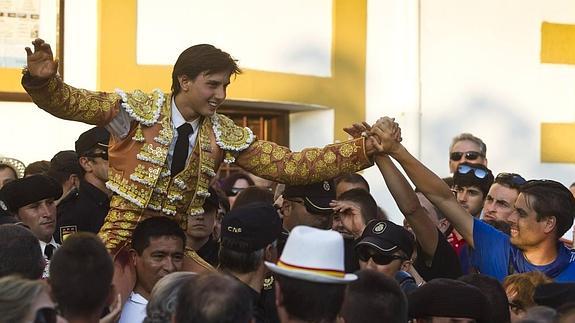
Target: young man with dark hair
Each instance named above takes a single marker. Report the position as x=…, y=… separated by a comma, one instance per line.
x=157, y=250
x=66, y=170
x=20, y=252
x=81, y=274
x=85, y=211
x=249, y=238
x=374, y=297
x=348, y=182
x=544, y=211
x=165, y=149
x=471, y=183
x=213, y=298
x=500, y=200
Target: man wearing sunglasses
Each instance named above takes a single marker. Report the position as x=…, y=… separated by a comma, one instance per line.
x=387, y=247
x=85, y=211
x=544, y=211
x=466, y=148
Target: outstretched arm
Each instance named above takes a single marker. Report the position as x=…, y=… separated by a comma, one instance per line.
x=408, y=203
x=433, y=187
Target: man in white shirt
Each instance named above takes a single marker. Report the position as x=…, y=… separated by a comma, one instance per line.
x=157, y=250
x=32, y=201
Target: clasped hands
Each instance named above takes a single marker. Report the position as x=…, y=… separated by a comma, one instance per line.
x=383, y=137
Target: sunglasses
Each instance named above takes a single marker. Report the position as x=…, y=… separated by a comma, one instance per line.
x=510, y=179
x=478, y=172
x=102, y=154
x=364, y=254
x=470, y=155
x=46, y=315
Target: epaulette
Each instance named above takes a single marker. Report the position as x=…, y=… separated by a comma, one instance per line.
x=230, y=137
x=143, y=107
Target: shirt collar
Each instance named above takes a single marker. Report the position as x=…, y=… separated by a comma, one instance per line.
x=52, y=242
x=178, y=119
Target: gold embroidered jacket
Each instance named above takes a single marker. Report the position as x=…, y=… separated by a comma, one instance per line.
x=139, y=173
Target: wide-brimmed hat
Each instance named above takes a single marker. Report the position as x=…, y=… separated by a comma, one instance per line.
x=313, y=255
x=15, y=164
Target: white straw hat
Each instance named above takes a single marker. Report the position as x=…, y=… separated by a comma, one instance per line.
x=314, y=255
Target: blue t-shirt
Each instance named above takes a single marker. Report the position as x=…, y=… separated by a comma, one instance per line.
x=495, y=256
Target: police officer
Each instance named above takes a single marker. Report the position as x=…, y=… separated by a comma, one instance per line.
x=86, y=210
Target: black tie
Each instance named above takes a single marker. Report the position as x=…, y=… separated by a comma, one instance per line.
x=181, y=149
x=48, y=251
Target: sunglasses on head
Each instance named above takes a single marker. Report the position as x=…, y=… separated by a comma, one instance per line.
x=364, y=254
x=510, y=179
x=46, y=315
x=101, y=154
x=478, y=172
x=470, y=155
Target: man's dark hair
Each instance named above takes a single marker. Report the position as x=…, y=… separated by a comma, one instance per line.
x=254, y=194
x=37, y=167
x=20, y=252
x=81, y=274
x=364, y=200
x=374, y=297
x=352, y=178
x=214, y=298
x=551, y=198
x=239, y=262
x=311, y=301
x=155, y=227
x=228, y=182
x=495, y=294
x=202, y=58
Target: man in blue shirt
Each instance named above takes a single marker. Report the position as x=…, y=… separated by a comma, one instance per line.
x=544, y=211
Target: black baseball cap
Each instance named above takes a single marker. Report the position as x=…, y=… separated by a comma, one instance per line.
x=250, y=227
x=27, y=190
x=386, y=237
x=97, y=137
x=212, y=200
x=316, y=196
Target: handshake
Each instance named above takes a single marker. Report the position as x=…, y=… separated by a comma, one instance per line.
x=383, y=137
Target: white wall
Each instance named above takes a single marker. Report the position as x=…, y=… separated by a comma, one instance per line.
x=480, y=72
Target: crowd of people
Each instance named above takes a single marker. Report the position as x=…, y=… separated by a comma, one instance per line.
x=135, y=225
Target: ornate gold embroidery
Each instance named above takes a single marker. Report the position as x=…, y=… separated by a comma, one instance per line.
x=153, y=155
x=329, y=157
x=147, y=176
x=142, y=106
x=346, y=150
x=190, y=253
x=290, y=168
x=139, y=136
x=229, y=136
x=311, y=154
x=166, y=134
x=70, y=103
x=279, y=153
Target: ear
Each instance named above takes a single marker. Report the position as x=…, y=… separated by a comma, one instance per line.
x=85, y=164
x=406, y=265
x=550, y=224
x=133, y=256
x=286, y=207
x=185, y=82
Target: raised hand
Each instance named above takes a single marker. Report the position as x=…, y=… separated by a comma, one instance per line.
x=41, y=63
x=388, y=134
x=351, y=217
x=358, y=129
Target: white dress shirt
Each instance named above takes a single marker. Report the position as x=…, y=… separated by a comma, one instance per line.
x=43, y=245
x=134, y=310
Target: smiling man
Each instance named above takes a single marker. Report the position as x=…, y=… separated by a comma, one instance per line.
x=165, y=149
x=31, y=200
x=157, y=250
x=543, y=212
